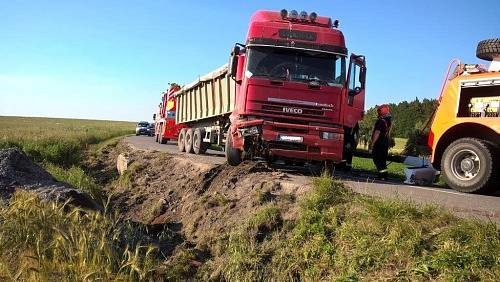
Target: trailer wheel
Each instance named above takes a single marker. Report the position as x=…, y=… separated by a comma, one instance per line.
x=180, y=140
x=488, y=49
x=233, y=155
x=467, y=165
x=199, y=147
x=188, y=141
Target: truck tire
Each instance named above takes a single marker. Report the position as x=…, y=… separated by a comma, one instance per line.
x=199, y=147
x=180, y=140
x=233, y=155
x=488, y=49
x=467, y=165
x=188, y=141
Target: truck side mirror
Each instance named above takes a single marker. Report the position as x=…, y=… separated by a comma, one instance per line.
x=355, y=91
x=233, y=61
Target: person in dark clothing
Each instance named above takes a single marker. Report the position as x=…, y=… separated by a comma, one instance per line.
x=379, y=145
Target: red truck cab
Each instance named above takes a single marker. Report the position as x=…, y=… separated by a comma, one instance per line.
x=298, y=94
x=165, y=127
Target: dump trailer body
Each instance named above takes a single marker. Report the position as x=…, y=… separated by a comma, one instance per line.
x=210, y=97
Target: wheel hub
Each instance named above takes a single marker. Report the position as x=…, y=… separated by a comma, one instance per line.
x=465, y=164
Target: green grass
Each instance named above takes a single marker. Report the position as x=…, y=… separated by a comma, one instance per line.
x=399, y=147
x=44, y=241
x=396, y=170
x=59, y=141
x=342, y=236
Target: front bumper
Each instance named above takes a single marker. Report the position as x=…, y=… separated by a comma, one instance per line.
x=142, y=131
x=312, y=147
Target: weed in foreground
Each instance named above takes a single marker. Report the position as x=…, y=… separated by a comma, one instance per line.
x=41, y=241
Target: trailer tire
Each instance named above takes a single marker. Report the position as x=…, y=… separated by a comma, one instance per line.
x=199, y=147
x=233, y=155
x=468, y=156
x=180, y=140
x=488, y=49
x=188, y=141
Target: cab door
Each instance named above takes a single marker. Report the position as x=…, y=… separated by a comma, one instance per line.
x=355, y=94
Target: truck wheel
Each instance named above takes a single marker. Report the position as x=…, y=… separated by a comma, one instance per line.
x=233, y=155
x=199, y=147
x=188, y=141
x=180, y=140
x=467, y=165
x=488, y=49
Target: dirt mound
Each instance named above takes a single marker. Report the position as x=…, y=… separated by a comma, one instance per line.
x=203, y=200
x=18, y=171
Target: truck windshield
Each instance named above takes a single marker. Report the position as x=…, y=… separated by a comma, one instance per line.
x=296, y=65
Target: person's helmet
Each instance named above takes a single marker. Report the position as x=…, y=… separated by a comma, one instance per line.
x=383, y=110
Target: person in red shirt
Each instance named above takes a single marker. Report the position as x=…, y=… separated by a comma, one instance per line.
x=379, y=146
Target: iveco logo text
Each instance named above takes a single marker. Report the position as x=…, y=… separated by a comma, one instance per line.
x=292, y=110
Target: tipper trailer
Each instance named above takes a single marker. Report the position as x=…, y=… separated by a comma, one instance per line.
x=290, y=93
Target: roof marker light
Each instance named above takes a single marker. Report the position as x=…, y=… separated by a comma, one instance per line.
x=313, y=16
x=284, y=13
x=303, y=15
x=293, y=14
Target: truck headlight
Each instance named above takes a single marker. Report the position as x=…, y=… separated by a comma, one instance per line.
x=329, y=135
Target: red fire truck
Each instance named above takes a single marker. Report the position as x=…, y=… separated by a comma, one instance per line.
x=290, y=93
x=165, y=126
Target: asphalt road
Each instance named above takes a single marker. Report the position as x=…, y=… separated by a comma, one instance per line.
x=482, y=207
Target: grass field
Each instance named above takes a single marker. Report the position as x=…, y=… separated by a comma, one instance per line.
x=59, y=141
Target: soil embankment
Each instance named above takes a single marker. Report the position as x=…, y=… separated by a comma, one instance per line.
x=201, y=200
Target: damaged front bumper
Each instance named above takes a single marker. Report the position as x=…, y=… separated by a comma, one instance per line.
x=294, y=141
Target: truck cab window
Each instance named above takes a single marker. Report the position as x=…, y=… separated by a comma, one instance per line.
x=354, y=79
x=296, y=65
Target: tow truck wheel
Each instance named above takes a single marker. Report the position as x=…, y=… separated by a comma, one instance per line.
x=180, y=140
x=233, y=155
x=188, y=141
x=467, y=165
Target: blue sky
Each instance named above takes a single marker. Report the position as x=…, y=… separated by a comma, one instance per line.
x=112, y=59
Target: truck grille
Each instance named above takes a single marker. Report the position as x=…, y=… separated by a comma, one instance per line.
x=296, y=113
x=287, y=146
